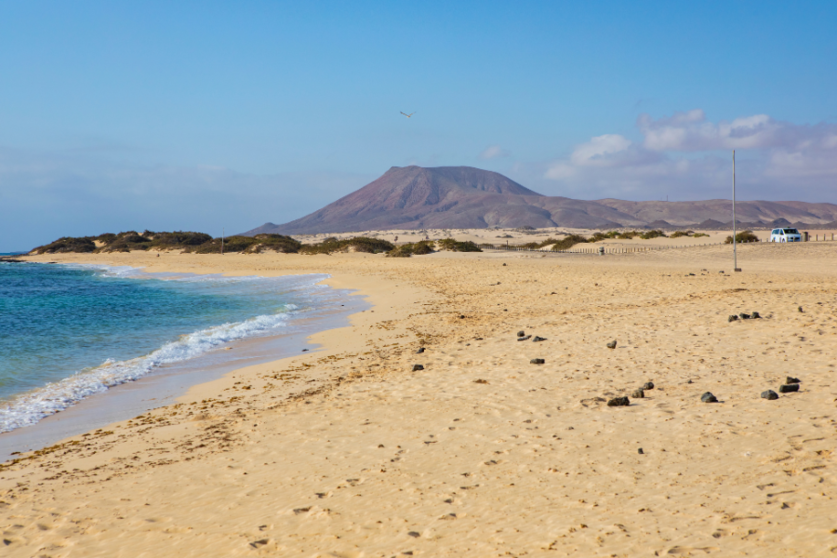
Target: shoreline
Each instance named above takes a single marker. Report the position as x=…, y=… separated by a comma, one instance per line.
x=165, y=385
x=351, y=451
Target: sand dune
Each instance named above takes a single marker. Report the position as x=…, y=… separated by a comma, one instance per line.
x=347, y=452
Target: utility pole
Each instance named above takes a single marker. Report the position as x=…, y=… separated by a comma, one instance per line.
x=222, y=241
x=734, y=243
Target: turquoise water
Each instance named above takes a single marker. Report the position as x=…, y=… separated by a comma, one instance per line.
x=67, y=332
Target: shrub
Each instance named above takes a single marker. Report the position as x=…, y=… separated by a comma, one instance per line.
x=743, y=236
x=455, y=246
x=568, y=242
x=678, y=234
x=358, y=244
x=67, y=244
x=698, y=235
x=652, y=234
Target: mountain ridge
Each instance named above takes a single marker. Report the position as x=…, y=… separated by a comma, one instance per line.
x=462, y=197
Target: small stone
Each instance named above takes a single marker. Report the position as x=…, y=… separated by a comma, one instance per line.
x=462, y=317
x=538, y=339
x=800, y=309
x=639, y=451
x=415, y=534
x=792, y=380
x=708, y=397
x=769, y=394
x=521, y=333
x=648, y=385
x=504, y=265
x=732, y=318
x=304, y=350
x=612, y=344
x=755, y=315
x=788, y=388
x=744, y=316
x=420, y=350
x=525, y=338
x=619, y=402
x=720, y=272
x=638, y=394
x=417, y=367
x=537, y=361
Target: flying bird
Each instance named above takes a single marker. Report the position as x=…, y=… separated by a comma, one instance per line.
x=407, y=115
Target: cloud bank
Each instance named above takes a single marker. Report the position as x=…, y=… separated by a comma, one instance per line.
x=684, y=154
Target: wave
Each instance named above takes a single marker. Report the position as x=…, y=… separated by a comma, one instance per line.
x=28, y=408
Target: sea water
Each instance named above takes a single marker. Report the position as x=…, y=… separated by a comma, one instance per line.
x=70, y=331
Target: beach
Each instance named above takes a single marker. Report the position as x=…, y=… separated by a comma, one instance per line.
x=351, y=450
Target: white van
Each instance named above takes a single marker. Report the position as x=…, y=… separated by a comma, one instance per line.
x=785, y=235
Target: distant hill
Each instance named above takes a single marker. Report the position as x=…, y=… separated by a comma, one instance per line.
x=465, y=197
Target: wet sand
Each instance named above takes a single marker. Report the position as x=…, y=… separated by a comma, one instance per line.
x=347, y=452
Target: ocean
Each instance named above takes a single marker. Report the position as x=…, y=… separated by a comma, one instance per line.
x=70, y=331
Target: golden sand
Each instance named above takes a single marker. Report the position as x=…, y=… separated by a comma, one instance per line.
x=346, y=452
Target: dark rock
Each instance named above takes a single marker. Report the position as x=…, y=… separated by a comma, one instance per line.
x=755, y=315
x=619, y=402
x=420, y=350
x=304, y=350
x=732, y=318
x=708, y=398
x=537, y=361
x=639, y=451
x=648, y=385
x=612, y=344
x=800, y=309
x=526, y=338
x=538, y=339
x=788, y=388
x=638, y=394
x=521, y=333
x=417, y=367
x=504, y=265
x=744, y=316
x=462, y=317
x=769, y=394
x=414, y=533
x=792, y=380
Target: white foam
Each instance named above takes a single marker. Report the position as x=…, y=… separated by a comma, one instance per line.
x=28, y=408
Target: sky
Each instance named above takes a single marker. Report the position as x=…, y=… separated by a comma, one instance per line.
x=221, y=116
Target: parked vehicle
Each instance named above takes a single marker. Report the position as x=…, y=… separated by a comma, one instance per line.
x=785, y=235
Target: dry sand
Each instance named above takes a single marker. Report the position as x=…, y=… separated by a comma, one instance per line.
x=346, y=452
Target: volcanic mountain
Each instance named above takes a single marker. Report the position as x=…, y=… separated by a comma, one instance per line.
x=465, y=197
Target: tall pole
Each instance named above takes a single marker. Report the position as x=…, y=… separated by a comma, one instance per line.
x=734, y=242
x=222, y=241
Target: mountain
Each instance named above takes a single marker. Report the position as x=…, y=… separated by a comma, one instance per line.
x=465, y=197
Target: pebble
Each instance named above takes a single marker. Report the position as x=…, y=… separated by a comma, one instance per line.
x=538, y=339
x=755, y=315
x=420, y=350
x=521, y=333
x=769, y=394
x=800, y=309
x=639, y=451
x=526, y=338
x=612, y=344
x=417, y=367
x=744, y=316
x=732, y=318
x=788, y=388
x=708, y=397
x=537, y=361
x=792, y=380
x=648, y=385
x=638, y=394
x=619, y=402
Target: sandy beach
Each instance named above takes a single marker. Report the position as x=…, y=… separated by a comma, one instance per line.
x=347, y=451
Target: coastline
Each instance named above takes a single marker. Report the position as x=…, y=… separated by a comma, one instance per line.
x=165, y=384
x=349, y=452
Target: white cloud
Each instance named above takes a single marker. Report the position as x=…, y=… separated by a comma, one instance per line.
x=680, y=154
x=494, y=152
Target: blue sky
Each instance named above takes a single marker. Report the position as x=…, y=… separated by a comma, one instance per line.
x=202, y=115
